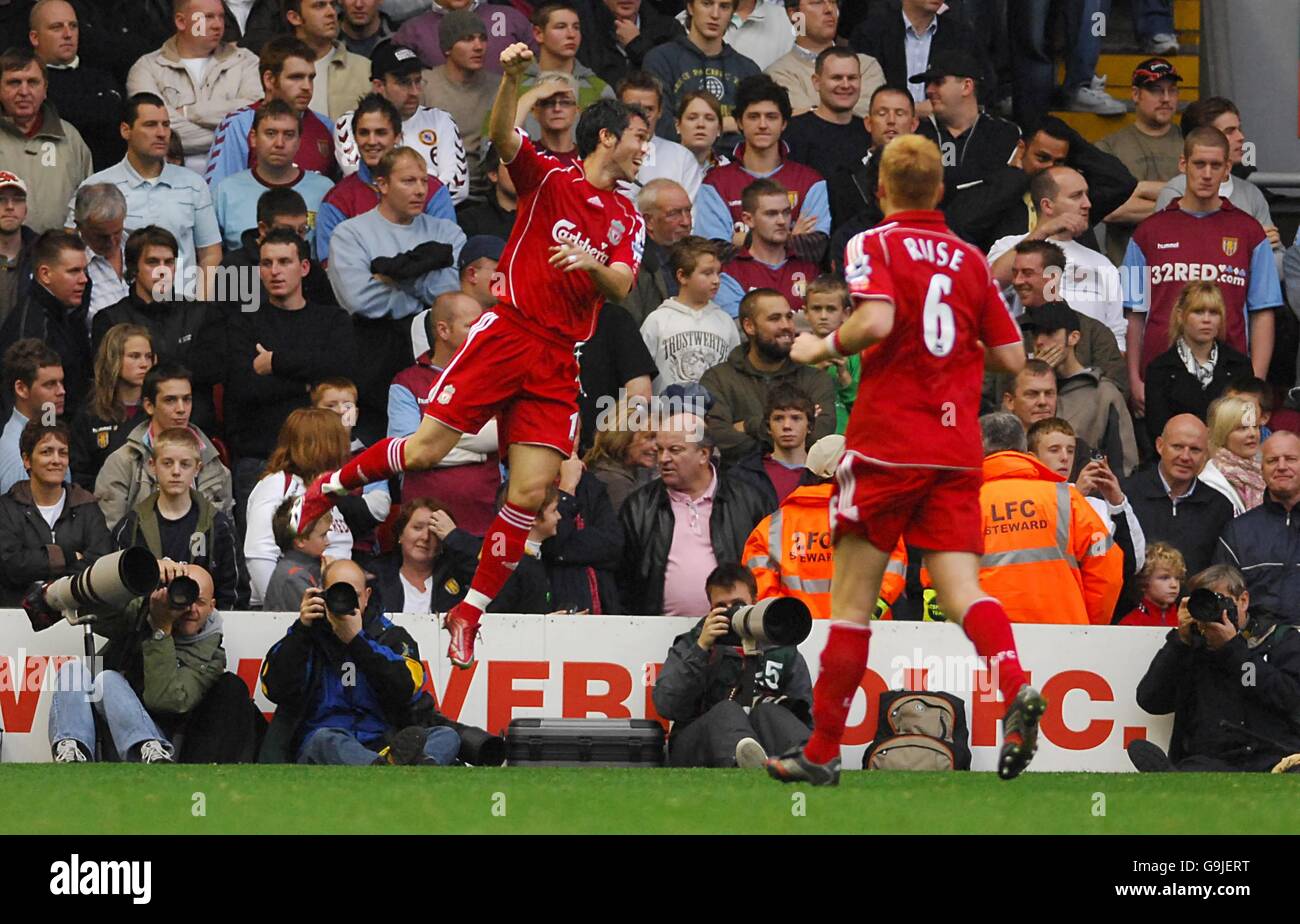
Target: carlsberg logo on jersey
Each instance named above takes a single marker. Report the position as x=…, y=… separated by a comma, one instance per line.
x=103, y=877
x=566, y=232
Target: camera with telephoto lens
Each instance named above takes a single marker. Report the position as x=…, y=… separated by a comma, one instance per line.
x=341, y=599
x=182, y=591
x=1205, y=605
x=776, y=622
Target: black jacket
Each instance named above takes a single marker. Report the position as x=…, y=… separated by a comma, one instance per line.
x=114, y=35
x=486, y=218
x=63, y=329
x=599, y=49
x=647, y=521
x=1264, y=544
x=30, y=552
x=881, y=36
x=582, y=558
x=316, y=286
x=91, y=99
x=265, y=22
x=693, y=681
x=94, y=439
x=1172, y=390
x=1192, y=527
x=983, y=193
x=216, y=554
x=1203, y=688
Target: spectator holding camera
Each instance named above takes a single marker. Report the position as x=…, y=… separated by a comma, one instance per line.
x=348, y=684
x=165, y=693
x=1230, y=674
x=47, y=529
x=729, y=708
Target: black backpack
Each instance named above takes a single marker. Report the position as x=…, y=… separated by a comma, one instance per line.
x=919, y=730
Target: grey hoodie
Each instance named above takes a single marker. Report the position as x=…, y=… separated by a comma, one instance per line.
x=686, y=342
x=682, y=66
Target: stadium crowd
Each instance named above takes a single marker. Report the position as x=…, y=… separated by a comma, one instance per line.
x=241, y=240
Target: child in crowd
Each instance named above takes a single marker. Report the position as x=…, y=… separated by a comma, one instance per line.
x=826, y=306
x=299, y=566
x=1161, y=578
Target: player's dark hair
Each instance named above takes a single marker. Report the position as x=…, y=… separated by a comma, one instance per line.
x=24, y=360
x=275, y=109
x=685, y=255
x=749, y=304
x=372, y=103
x=285, y=236
x=163, y=371
x=786, y=397
x=1051, y=254
x=605, y=115
x=131, y=108
x=35, y=431
x=278, y=203
x=728, y=575
x=756, y=190
x=761, y=88
x=1205, y=111
x=835, y=51
x=891, y=88
x=640, y=80
x=141, y=238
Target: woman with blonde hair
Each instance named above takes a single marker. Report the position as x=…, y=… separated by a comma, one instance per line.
x=622, y=457
x=311, y=441
x=124, y=358
x=1234, y=468
x=1198, y=365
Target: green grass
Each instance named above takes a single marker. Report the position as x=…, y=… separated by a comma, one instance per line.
x=135, y=799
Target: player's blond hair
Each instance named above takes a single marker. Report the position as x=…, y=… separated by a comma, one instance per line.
x=911, y=170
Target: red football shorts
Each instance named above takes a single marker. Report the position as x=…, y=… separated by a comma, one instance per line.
x=937, y=510
x=526, y=379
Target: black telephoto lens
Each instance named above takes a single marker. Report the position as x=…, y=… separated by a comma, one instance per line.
x=1205, y=605
x=341, y=599
x=182, y=592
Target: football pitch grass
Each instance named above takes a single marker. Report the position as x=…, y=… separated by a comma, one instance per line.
x=136, y=799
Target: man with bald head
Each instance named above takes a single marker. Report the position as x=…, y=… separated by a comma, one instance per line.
x=1171, y=502
x=348, y=684
x=1264, y=543
x=682, y=525
x=666, y=207
x=169, y=660
x=467, y=479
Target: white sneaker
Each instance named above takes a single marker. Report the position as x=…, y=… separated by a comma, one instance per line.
x=68, y=751
x=155, y=752
x=1164, y=43
x=1087, y=98
x=1099, y=82
x=750, y=754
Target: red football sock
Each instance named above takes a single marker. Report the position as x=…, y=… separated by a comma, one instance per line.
x=381, y=461
x=986, y=625
x=844, y=659
x=503, y=546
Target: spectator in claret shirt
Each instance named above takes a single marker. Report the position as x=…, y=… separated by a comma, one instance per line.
x=767, y=263
x=763, y=111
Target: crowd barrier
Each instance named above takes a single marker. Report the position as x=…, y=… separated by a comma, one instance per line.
x=576, y=666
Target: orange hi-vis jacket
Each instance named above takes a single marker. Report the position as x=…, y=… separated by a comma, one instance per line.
x=791, y=555
x=1047, y=555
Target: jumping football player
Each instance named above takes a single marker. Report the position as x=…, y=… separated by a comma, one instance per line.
x=577, y=243
x=927, y=318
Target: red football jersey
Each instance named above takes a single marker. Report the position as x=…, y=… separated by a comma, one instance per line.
x=919, y=399
x=557, y=205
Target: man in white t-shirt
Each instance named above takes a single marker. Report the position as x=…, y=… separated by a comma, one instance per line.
x=664, y=158
x=1091, y=282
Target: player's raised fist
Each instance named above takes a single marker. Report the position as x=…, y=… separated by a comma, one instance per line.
x=516, y=58
x=808, y=349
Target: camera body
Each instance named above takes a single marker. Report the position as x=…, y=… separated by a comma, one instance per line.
x=777, y=621
x=1205, y=605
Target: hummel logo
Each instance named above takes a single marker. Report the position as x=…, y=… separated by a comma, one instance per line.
x=1172, y=246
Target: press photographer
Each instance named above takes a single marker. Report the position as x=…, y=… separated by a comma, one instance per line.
x=730, y=707
x=1231, y=677
x=164, y=693
x=349, y=687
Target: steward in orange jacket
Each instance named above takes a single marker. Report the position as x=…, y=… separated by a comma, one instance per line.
x=791, y=555
x=1047, y=555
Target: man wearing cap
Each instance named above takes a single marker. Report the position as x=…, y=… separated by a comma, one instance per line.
x=1090, y=282
x=502, y=25
x=1150, y=147
x=465, y=88
x=981, y=183
x=363, y=26
x=1091, y=404
x=15, y=243
x=467, y=479
x=341, y=76
x=396, y=75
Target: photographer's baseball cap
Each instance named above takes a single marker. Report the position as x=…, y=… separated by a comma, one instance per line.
x=1152, y=71
x=12, y=179
x=458, y=25
x=954, y=63
x=478, y=247
x=1048, y=318
x=390, y=58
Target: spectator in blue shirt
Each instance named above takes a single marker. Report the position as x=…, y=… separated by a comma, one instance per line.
x=34, y=376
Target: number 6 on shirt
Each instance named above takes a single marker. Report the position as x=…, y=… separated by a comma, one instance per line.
x=938, y=326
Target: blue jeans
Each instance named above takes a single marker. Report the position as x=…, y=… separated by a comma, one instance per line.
x=1082, y=47
x=336, y=746
x=1032, y=67
x=71, y=716
x=1153, y=17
